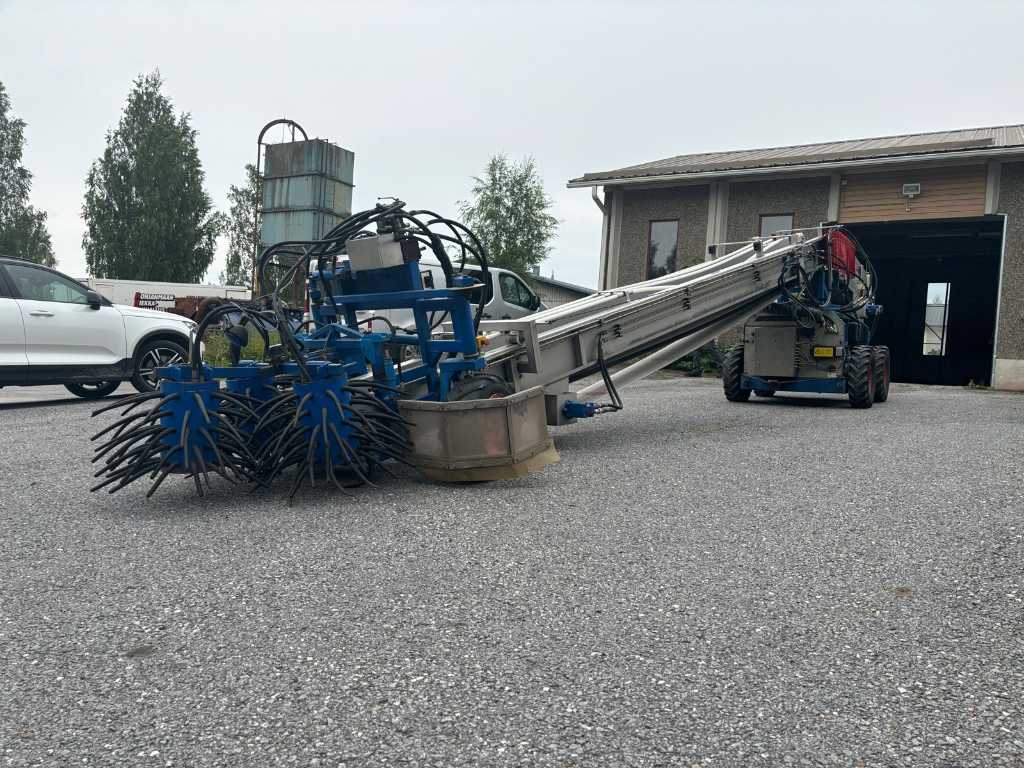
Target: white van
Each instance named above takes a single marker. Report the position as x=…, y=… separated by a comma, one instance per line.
x=508, y=297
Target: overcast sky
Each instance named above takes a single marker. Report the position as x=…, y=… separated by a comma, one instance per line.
x=424, y=93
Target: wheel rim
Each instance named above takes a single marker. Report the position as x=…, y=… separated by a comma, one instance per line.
x=158, y=357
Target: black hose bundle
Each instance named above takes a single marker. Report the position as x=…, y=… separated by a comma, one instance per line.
x=386, y=217
x=609, y=383
x=248, y=316
x=807, y=307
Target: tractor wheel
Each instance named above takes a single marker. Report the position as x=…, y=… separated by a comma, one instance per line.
x=732, y=377
x=860, y=377
x=881, y=374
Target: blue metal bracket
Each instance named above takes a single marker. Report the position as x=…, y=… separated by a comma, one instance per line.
x=822, y=386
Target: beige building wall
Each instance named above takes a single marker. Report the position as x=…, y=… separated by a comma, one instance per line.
x=947, y=192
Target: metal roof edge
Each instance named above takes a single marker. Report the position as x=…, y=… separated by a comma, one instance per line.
x=561, y=284
x=830, y=165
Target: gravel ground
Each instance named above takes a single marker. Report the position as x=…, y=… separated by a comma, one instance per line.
x=786, y=582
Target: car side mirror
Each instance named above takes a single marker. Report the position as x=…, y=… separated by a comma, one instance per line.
x=93, y=299
x=535, y=302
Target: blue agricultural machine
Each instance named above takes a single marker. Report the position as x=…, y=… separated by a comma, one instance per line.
x=816, y=336
x=338, y=400
x=322, y=403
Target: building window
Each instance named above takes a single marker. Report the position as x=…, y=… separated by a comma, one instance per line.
x=936, y=316
x=662, y=244
x=770, y=223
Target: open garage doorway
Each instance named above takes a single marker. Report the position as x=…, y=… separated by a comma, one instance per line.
x=938, y=283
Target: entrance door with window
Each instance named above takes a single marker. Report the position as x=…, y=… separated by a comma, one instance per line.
x=938, y=327
x=937, y=282
x=938, y=322
x=60, y=326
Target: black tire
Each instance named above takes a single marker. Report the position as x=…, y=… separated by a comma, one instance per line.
x=481, y=386
x=764, y=392
x=152, y=355
x=860, y=376
x=732, y=377
x=93, y=390
x=882, y=374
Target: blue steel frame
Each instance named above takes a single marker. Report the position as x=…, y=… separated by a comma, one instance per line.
x=355, y=348
x=823, y=386
x=190, y=427
x=339, y=341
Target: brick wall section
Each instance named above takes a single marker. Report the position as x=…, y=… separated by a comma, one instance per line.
x=806, y=199
x=640, y=207
x=1011, y=302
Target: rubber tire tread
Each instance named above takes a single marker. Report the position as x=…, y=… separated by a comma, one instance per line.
x=137, y=381
x=732, y=371
x=883, y=373
x=860, y=379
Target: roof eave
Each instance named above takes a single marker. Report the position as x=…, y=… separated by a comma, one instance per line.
x=798, y=168
x=560, y=284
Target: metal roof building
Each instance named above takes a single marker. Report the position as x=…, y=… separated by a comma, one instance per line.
x=935, y=210
x=921, y=147
x=554, y=292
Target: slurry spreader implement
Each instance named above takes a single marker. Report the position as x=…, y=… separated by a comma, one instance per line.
x=341, y=397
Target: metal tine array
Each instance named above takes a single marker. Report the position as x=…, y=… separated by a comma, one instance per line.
x=354, y=437
x=196, y=429
x=165, y=439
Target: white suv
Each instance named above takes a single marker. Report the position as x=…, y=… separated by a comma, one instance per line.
x=54, y=330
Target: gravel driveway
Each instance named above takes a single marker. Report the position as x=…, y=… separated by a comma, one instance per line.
x=783, y=582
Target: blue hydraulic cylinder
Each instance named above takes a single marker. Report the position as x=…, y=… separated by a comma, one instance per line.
x=575, y=409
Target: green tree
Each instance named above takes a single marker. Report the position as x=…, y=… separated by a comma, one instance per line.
x=242, y=230
x=147, y=214
x=23, y=230
x=509, y=212
x=27, y=237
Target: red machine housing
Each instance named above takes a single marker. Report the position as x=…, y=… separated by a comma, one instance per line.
x=844, y=253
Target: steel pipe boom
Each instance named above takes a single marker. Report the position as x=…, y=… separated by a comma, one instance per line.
x=560, y=345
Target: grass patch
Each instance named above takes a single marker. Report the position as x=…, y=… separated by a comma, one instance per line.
x=706, y=361
x=217, y=346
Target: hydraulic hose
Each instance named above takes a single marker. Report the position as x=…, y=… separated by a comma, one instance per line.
x=195, y=353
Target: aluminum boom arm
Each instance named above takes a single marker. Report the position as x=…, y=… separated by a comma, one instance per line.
x=684, y=309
